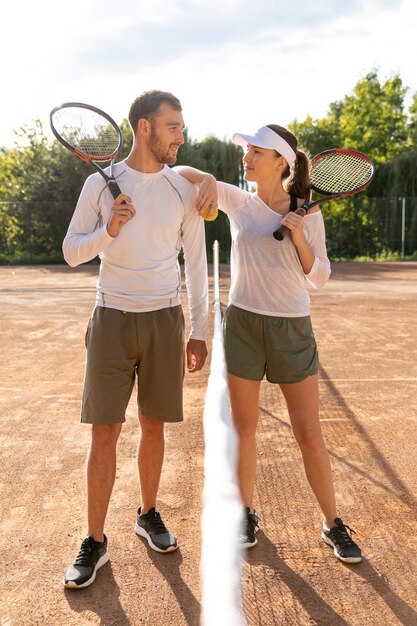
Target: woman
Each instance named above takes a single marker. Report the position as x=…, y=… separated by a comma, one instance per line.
x=267, y=326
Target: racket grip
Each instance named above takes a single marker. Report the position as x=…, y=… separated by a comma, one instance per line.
x=114, y=189
x=283, y=231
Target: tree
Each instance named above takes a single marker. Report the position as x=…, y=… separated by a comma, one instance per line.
x=412, y=126
x=127, y=137
x=372, y=118
x=223, y=159
x=315, y=136
x=40, y=183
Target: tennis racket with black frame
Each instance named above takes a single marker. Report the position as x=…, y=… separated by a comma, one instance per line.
x=90, y=134
x=335, y=174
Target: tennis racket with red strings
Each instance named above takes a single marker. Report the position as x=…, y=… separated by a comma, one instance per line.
x=335, y=173
x=91, y=134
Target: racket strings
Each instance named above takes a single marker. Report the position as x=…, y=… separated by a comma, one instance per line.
x=340, y=173
x=87, y=131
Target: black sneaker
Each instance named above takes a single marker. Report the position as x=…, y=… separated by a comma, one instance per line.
x=155, y=532
x=92, y=555
x=341, y=541
x=250, y=527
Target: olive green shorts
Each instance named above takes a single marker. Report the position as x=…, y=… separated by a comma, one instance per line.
x=281, y=348
x=123, y=347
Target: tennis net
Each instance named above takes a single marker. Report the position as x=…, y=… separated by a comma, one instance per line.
x=222, y=511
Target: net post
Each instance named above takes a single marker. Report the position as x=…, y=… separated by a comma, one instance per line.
x=216, y=272
x=402, y=227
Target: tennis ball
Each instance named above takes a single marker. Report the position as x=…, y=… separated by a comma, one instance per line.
x=207, y=211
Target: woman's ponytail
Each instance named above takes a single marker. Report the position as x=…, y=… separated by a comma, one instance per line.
x=296, y=180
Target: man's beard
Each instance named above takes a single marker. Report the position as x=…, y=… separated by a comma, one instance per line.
x=161, y=154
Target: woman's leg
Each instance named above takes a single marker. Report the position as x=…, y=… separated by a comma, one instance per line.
x=303, y=407
x=244, y=400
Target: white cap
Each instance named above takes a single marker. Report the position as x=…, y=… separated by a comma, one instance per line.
x=266, y=138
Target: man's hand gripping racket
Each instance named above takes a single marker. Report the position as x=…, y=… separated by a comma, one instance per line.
x=335, y=173
x=94, y=137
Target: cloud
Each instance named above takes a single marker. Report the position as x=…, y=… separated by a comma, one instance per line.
x=234, y=64
x=158, y=35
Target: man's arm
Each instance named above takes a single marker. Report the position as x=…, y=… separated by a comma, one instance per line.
x=196, y=355
x=87, y=236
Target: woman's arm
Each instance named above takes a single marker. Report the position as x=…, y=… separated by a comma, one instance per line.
x=312, y=253
x=295, y=224
x=207, y=184
x=192, y=173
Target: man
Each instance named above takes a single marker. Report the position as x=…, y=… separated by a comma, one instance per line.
x=137, y=325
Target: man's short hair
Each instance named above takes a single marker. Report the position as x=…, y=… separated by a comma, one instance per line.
x=147, y=104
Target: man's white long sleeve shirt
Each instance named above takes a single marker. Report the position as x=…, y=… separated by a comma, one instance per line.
x=139, y=268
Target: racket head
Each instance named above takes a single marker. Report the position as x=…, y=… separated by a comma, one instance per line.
x=87, y=131
x=340, y=172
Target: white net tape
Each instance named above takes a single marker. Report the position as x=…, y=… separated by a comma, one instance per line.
x=222, y=511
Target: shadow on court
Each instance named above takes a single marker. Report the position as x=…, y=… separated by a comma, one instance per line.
x=265, y=555
x=392, y=482
x=101, y=598
x=361, y=272
x=368, y=412
x=398, y=489
x=380, y=583
x=391, y=477
x=169, y=566
x=364, y=324
x=320, y=612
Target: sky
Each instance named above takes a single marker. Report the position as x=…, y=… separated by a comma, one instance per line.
x=235, y=65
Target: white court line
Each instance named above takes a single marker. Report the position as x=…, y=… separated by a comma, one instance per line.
x=368, y=380
x=334, y=419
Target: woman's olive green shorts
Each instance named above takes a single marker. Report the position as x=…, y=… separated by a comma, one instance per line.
x=123, y=346
x=281, y=348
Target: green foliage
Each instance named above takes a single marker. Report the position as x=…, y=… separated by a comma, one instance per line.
x=412, y=126
x=223, y=159
x=220, y=158
x=398, y=178
x=127, y=137
x=373, y=120
x=11, y=230
x=41, y=181
x=315, y=136
x=370, y=119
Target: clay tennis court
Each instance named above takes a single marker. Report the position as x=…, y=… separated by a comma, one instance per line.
x=366, y=330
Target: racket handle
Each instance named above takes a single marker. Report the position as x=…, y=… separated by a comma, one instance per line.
x=114, y=189
x=283, y=231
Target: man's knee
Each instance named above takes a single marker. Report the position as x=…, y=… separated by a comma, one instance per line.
x=151, y=427
x=105, y=435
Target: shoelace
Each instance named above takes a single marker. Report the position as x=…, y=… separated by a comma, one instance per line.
x=251, y=523
x=86, y=550
x=155, y=521
x=341, y=534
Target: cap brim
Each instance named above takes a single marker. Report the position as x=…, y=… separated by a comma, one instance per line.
x=268, y=139
x=242, y=140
